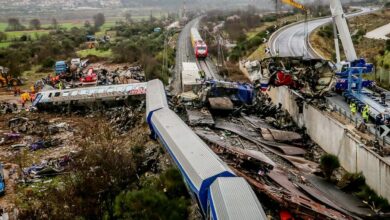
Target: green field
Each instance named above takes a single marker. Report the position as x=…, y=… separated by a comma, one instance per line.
x=94, y=52
x=4, y=44
x=34, y=34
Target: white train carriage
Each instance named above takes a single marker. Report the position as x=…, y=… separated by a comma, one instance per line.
x=233, y=199
x=81, y=96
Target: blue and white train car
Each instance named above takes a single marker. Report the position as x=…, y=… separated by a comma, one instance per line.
x=233, y=198
x=198, y=164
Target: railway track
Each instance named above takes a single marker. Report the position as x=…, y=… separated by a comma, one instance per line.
x=185, y=53
x=205, y=66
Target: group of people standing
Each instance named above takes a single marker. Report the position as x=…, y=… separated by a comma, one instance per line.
x=365, y=111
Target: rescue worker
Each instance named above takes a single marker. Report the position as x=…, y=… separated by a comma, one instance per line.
x=379, y=119
x=383, y=98
x=202, y=74
x=353, y=108
x=25, y=97
x=365, y=113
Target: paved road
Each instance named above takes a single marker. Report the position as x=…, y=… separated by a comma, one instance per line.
x=380, y=33
x=291, y=40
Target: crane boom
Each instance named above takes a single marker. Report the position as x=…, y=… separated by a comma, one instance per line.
x=342, y=27
x=294, y=4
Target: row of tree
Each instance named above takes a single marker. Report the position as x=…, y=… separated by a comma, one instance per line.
x=14, y=24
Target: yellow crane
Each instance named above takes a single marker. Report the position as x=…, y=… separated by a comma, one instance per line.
x=295, y=4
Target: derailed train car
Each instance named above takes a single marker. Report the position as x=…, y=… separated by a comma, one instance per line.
x=86, y=96
x=199, y=165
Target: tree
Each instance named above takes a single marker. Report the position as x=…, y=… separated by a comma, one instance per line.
x=87, y=24
x=54, y=23
x=128, y=17
x=14, y=25
x=329, y=163
x=3, y=36
x=99, y=19
x=35, y=24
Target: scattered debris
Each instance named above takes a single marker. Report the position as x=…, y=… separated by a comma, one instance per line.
x=221, y=103
x=201, y=117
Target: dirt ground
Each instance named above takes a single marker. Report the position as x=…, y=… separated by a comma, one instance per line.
x=15, y=160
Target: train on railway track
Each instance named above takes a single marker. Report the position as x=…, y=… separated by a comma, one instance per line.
x=198, y=44
x=219, y=193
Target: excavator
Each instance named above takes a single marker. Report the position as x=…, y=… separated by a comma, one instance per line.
x=6, y=78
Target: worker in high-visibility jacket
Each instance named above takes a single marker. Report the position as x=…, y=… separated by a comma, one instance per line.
x=365, y=113
x=353, y=108
x=25, y=97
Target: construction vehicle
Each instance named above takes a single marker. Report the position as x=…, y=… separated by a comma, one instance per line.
x=352, y=63
x=6, y=79
x=61, y=67
x=341, y=30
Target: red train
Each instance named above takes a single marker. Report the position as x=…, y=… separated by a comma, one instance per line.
x=200, y=47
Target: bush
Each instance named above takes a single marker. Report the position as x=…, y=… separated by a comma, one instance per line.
x=387, y=45
x=149, y=204
x=352, y=181
x=329, y=163
x=48, y=62
x=165, y=197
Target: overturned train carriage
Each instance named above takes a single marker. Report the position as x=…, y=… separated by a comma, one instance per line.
x=199, y=165
x=89, y=96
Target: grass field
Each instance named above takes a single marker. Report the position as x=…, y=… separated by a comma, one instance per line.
x=94, y=52
x=34, y=34
x=4, y=44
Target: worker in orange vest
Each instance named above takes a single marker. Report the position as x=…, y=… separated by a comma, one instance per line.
x=25, y=97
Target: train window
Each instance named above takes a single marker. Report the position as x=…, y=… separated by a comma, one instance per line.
x=57, y=94
x=65, y=94
x=49, y=95
x=83, y=92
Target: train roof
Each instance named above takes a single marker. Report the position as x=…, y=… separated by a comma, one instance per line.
x=195, y=35
x=198, y=162
x=234, y=199
x=156, y=98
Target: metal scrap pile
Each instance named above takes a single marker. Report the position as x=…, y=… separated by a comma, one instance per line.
x=125, y=118
x=262, y=144
x=7, y=107
x=46, y=168
x=312, y=77
x=82, y=75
